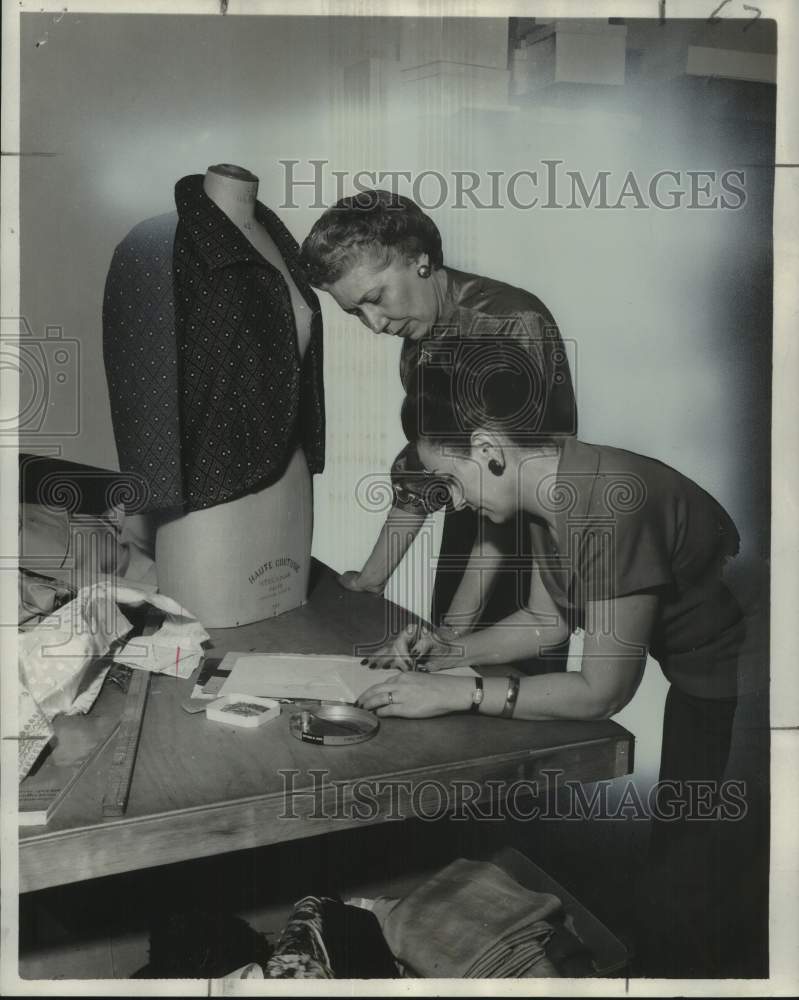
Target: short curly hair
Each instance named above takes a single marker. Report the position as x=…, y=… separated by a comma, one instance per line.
x=380, y=223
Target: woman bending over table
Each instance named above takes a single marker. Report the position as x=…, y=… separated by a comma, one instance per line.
x=623, y=547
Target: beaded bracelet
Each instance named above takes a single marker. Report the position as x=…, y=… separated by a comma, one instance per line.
x=510, y=698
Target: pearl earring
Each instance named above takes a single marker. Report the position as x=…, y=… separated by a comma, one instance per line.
x=424, y=270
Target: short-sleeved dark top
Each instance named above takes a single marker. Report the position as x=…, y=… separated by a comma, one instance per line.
x=480, y=308
x=626, y=524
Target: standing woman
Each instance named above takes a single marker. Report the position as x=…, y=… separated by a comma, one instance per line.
x=380, y=257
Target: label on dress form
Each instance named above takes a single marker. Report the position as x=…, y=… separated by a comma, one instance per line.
x=279, y=580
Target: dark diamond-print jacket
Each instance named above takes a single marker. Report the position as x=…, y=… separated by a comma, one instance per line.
x=209, y=396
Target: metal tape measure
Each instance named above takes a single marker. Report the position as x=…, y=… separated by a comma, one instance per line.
x=334, y=725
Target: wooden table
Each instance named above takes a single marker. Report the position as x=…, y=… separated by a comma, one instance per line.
x=200, y=788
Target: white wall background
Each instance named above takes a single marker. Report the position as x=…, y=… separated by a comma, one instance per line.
x=669, y=310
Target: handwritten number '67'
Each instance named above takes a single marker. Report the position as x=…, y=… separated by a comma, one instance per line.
x=715, y=20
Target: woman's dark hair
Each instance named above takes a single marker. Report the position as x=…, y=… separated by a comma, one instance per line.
x=377, y=222
x=462, y=384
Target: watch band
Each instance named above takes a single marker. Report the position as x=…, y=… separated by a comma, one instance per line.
x=477, y=695
x=510, y=698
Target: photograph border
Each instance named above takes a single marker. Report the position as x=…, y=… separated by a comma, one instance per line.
x=784, y=881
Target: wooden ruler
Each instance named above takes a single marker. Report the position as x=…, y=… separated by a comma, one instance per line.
x=115, y=799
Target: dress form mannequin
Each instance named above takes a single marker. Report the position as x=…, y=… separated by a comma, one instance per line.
x=248, y=559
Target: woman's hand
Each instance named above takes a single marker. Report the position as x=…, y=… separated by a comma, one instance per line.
x=352, y=580
x=445, y=651
x=418, y=696
x=400, y=653
x=417, y=647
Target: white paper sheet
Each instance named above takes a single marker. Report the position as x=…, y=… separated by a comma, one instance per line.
x=299, y=675
x=175, y=648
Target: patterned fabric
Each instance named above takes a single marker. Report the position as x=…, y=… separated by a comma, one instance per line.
x=475, y=309
x=300, y=953
x=34, y=730
x=209, y=395
x=140, y=354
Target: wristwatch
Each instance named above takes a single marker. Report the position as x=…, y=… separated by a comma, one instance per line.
x=477, y=695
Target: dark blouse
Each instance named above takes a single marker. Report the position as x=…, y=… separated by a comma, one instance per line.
x=625, y=524
x=477, y=307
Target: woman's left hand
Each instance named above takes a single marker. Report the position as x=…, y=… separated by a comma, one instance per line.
x=414, y=645
x=418, y=696
x=353, y=580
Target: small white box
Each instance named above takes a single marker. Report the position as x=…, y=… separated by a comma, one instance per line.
x=245, y=710
x=567, y=52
